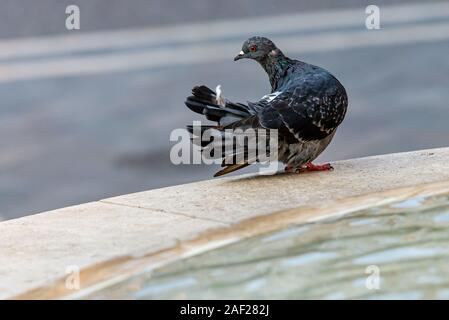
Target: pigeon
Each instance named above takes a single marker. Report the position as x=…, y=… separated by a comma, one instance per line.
x=306, y=105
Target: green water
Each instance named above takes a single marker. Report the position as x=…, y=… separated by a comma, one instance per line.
x=407, y=243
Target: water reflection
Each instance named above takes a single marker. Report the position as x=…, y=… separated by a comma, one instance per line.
x=408, y=241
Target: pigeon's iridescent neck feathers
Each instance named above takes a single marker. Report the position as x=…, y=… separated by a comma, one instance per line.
x=276, y=65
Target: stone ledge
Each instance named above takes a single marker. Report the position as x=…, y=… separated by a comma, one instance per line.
x=95, y=236
x=230, y=200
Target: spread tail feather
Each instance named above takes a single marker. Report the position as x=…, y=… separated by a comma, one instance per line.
x=231, y=168
x=216, y=108
x=204, y=101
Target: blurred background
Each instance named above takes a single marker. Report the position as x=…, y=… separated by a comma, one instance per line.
x=87, y=114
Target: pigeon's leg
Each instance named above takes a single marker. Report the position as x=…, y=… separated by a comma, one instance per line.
x=309, y=166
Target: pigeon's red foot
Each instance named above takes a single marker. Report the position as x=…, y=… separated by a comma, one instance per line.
x=309, y=166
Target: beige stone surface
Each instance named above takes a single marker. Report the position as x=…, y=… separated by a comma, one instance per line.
x=36, y=250
x=233, y=199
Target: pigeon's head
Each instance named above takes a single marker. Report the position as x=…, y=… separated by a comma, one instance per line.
x=257, y=48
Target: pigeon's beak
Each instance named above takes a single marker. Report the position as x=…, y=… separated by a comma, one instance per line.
x=241, y=55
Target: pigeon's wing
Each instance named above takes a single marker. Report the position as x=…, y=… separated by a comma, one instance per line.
x=310, y=111
x=232, y=119
x=271, y=120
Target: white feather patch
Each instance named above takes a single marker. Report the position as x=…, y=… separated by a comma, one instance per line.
x=270, y=97
x=220, y=99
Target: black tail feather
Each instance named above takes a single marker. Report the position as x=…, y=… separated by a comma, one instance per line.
x=204, y=101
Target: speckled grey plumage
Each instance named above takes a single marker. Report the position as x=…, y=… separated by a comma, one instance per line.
x=306, y=104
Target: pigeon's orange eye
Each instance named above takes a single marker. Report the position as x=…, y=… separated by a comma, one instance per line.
x=253, y=48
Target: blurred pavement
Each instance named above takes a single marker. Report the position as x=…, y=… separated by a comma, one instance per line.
x=86, y=116
x=27, y=18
